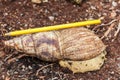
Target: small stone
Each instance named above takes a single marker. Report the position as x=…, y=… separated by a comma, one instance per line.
x=15, y=72
x=93, y=7
x=21, y=14
x=18, y=22
x=5, y=14
x=29, y=67
x=45, y=1
x=39, y=1
x=44, y=70
x=118, y=58
x=3, y=25
x=55, y=78
x=118, y=2
x=109, y=79
x=112, y=72
x=3, y=76
x=36, y=1
x=23, y=68
x=77, y=1
x=46, y=11
x=113, y=14
x=25, y=25
x=114, y=3
x=10, y=28
x=51, y=18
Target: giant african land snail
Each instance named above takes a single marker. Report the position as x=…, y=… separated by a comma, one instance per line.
x=73, y=45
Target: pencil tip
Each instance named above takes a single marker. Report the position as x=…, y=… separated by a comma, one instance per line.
x=7, y=34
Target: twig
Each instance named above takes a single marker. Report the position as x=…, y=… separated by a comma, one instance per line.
x=7, y=78
x=105, y=24
x=8, y=57
x=2, y=44
x=116, y=33
x=13, y=59
x=2, y=31
x=108, y=31
x=43, y=68
x=118, y=30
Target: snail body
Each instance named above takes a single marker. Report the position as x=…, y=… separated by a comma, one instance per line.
x=74, y=44
x=86, y=65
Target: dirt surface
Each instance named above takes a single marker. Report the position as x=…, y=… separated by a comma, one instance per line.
x=23, y=14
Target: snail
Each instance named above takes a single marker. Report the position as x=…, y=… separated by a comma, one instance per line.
x=74, y=46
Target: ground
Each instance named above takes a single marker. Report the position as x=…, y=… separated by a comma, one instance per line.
x=23, y=14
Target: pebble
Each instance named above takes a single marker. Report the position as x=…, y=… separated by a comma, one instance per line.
x=51, y=18
x=44, y=70
x=112, y=72
x=5, y=14
x=46, y=11
x=55, y=78
x=118, y=58
x=45, y=0
x=113, y=14
x=36, y=1
x=21, y=14
x=39, y=1
x=10, y=28
x=23, y=68
x=93, y=7
x=109, y=78
x=18, y=22
x=29, y=67
x=114, y=3
x=25, y=25
x=15, y=72
x=3, y=25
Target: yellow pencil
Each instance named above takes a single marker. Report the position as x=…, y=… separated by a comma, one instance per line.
x=55, y=27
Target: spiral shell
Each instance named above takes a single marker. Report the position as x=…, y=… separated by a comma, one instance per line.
x=68, y=44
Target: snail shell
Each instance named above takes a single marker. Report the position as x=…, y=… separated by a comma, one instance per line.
x=68, y=44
